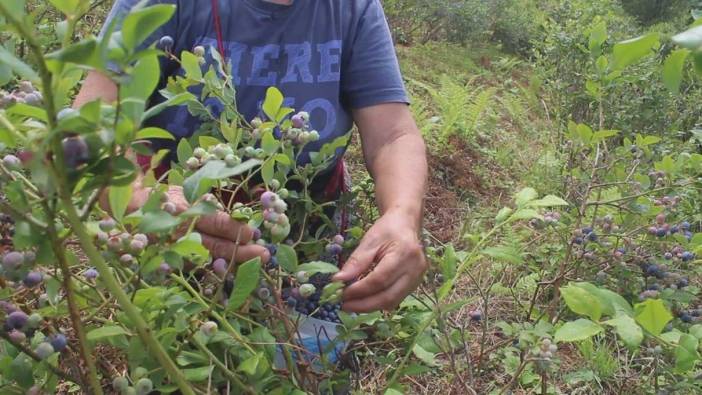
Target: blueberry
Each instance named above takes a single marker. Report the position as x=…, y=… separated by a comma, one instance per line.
x=220, y=267
x=120, y=383
x=12, y=261
x=17, y=336
x=685, y=317
x=272, y=248
x=587, y=230
x=687, y=256
x=44, y=350
x=12, y=162
x=17, y=319
x=688, y=235
x=32, y=280
x=268, y=199
x=75, y=152
x=263, y=293
x=209, y=328
x=654, y=287
x=273, y=263
x=164, y=268
x=652, y=270
x=334, y=249
x=144, y=386
x=674, y=229
x=475, y=315
x=291, y=302
x=592, y=236
x=685, y=225
x=683, y=282
x=58, y=342
x=166, y=43
x=661, y=232
x=91, y=274
x=297, y=121
x=578, y=240
x=668, y=256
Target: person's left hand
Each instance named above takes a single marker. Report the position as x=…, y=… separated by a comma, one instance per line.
x=393, y=244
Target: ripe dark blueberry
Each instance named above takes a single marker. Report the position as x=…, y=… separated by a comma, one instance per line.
x=12, y=261
x=683, y=282
x=475, y=315
x=685, y=317
x=7, y=307
x=291, y=302
x=668, y=256
x=578, y=240
x=587, y=230
x=272, y=248
x=674, y=229
x=687, y=256
x=652, y=270
x=653, y=287
x=32, y=280
x=166, y=43
x=334, y=249
x=688, y=235
x=58, y=342
x=17, y=319
x=75, y=152
x=273, y=263
x=685, y=225
x=661, y=232
x=592, y=236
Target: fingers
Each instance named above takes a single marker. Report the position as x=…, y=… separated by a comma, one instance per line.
x=358, y=263
x=223, y=226
x=384, y=276
x=388, y=299
x=222, y=248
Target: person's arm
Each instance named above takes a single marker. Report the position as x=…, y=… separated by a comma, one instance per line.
x=219, y=231
x=395, y=155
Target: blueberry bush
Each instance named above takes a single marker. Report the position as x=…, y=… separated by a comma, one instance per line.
x=585, y=282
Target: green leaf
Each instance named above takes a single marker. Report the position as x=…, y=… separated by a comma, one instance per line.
x=318, y=267
x=249, y=365
x=191, y=65
x=198, y=374
x=268, y=143
x=202, y=180
x=158, y=222
x=17, y=66
x=154, y=133
x=246, y=281
x=504, y=253
x=272, y=103
x=83, y=53
x=631, y=51
x=424, y=355
x=287, y=258
x=690, y=39
x=652, y=315
x=119, y=198
x=172, y=101
x=68, y=7
x=548, y=201
x=191, y=246
x=673, y=69
x=268, y=171
x=611, y=302
x=139, y=24
x=525, y=213
x=577, y=330
x=106, y=332
x=143, y=80
x=686, y=354
x=627, y=329
x=582, y=302
x=184, y=151
x=525, y=196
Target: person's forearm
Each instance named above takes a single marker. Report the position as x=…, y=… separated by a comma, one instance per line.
x=399, y=169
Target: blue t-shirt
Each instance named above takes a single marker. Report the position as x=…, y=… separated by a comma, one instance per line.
x=326, y=56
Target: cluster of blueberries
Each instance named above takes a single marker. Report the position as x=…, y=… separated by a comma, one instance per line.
x=308, y=303
x=663, y=229
x=21, y=326
x=24, y=94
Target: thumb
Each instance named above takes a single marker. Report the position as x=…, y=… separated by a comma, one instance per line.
x=357, y=264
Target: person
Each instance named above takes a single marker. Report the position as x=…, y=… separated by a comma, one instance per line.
x=335, y=60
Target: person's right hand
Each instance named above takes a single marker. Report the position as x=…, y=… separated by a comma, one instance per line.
x=219, y=231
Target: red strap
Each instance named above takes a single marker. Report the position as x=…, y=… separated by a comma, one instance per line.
x=218, y=28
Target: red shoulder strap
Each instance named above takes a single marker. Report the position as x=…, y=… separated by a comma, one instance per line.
x=218, y=28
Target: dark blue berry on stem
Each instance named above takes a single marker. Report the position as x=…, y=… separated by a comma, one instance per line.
x=58, y=342
x=17, y=319
x=166, y=43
